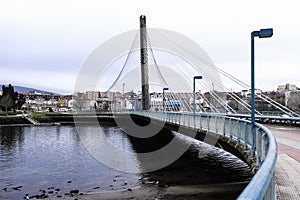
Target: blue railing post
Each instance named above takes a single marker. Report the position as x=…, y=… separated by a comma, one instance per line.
x=200, y=122
x=216, y=124
x=224, y=127
x=253, y=135
x=245, y=136
x=208, y=123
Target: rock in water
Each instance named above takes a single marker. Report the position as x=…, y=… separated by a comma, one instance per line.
x=74, y=191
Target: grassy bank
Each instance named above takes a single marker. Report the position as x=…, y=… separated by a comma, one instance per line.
x=55, y=117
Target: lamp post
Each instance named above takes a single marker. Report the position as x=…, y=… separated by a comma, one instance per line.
x=163, y=100
x=262, y=33
x=123, y=98
x=123, y=88
x=194, y=92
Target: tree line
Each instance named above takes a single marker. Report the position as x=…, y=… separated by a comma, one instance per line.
x=11, y=100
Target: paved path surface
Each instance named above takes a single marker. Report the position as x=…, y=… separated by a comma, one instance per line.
x=288, y=162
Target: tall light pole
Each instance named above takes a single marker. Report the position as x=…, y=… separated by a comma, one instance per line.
x=262, y=33
x=163, y=100
x=123, y=88
x=123, y=99
x=194, y=92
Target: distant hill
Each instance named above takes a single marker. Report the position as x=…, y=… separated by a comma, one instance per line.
x=26, y=89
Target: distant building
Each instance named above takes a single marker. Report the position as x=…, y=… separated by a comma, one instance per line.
x=40, y=102
x=281, y=88
x=92, y=95
x=292, y=100
x=247, y=93
x=286, y=87
x=104, y=94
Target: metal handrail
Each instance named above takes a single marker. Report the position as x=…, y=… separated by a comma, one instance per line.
x=262, y=185
x=263, y=145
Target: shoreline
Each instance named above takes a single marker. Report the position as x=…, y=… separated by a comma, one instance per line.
x=45, y=119
x=191, y=192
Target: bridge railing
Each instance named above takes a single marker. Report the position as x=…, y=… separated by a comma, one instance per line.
x=262, y=144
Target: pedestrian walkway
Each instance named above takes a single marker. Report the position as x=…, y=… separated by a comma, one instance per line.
x=287, y=170
x=288, y=142
x=287, y=174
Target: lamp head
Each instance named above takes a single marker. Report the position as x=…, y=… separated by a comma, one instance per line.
x=265, y=33
x=197, y=77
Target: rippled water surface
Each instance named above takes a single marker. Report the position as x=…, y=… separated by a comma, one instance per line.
x=53, y=158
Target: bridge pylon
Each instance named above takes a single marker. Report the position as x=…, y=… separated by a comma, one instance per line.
x=144, y=63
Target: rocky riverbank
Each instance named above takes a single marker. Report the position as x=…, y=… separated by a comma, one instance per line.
x=148, y=191
x=190, y=192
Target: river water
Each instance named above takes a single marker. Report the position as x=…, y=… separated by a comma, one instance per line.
x=52, y=159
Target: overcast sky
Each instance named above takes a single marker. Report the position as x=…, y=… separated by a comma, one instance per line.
x=44, y=43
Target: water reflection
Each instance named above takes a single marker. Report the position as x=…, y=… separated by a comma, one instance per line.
x=40, y=158
x=10, y=144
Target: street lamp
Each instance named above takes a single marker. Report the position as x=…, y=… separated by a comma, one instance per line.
x=123, y=99
x=194, y=92
x=123, y=89
x=262, y=33
x=163, y=100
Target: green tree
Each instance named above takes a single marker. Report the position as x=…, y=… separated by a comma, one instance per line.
x=7, y=100
x=19, y=100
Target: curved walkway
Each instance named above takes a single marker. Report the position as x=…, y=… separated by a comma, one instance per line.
x=288, y=163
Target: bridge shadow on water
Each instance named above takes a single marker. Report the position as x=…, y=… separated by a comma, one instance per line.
x=203, y=171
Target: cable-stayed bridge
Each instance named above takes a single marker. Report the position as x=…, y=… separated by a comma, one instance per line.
x=170, y=61
x=164, y=76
